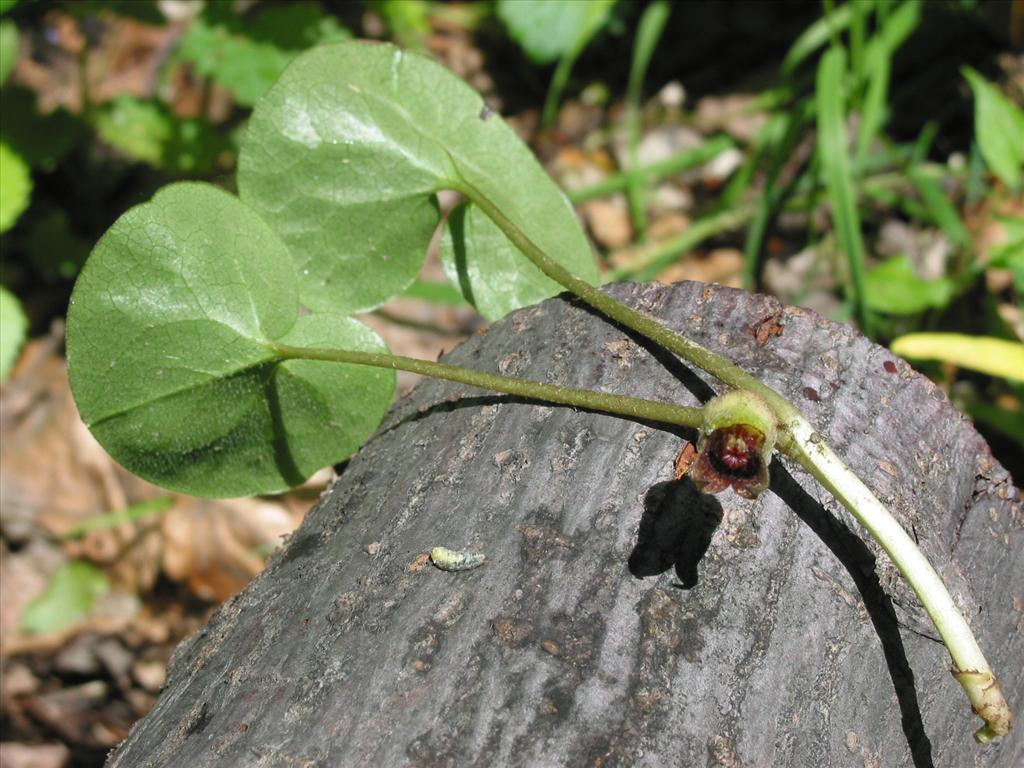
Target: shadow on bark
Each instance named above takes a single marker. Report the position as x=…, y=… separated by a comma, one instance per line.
x=859, y=562
x=676, y=529
x=282, y=451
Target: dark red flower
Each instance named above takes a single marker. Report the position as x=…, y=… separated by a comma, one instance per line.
x=731, y=456
x=735, y=446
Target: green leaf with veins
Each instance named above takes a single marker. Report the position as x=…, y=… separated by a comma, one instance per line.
x=170, y=354
x=344, y=157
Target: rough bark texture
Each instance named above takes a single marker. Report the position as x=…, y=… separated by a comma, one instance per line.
x=621, y=618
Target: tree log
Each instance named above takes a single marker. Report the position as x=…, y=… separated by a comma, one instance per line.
x=621, y=618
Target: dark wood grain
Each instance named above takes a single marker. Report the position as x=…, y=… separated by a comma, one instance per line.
x=621, y=618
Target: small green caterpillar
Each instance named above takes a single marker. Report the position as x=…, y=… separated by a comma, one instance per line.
x=455, y=560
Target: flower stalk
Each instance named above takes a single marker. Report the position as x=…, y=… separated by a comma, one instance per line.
x=622, y=405
x=971, y=669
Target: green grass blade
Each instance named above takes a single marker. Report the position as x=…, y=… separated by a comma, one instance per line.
x=596, y=16
x=896, y=27
x=677, y=163
x=815, y=36
x=131, y=514
x=776, y=140
x=832, y=153
x=648, y=33
x=940, y=210
x=874, y=109
x=660, y=255
x=558, y=82
x=893, y=29
x=782, y=134
x=858, y=33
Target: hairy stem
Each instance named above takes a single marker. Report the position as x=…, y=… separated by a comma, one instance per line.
x=610, y=307
x=798, y=440
x=634, y=407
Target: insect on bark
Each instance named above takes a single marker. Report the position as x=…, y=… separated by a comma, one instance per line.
x=455, y=560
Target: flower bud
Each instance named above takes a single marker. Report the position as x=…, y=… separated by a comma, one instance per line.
x=736, y=443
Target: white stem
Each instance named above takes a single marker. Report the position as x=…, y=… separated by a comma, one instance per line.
x=971, y=669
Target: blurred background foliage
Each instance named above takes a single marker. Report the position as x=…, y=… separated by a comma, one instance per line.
x=864, y=159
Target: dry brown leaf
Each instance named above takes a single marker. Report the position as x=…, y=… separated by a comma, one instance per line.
x=216, y=547
x=13, y=755
x=721, y=265
x=608, y=221
x=735, y=114
x=128, y=60
x=49, y=463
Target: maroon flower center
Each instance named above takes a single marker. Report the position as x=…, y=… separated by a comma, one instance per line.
x=735, y=451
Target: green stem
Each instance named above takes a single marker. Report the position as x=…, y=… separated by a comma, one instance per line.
x=645, y=325
x=633, y=407
x=798, y=439
x=131, y=514
x=557, y=85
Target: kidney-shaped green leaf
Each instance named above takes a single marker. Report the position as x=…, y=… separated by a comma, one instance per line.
x=171, y=360
x=344, y=155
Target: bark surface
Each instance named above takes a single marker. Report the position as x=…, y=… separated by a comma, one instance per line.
x=621, y=618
